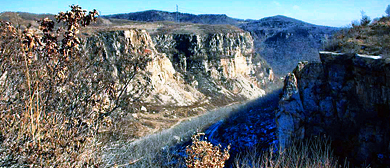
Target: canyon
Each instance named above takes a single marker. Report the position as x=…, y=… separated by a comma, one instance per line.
x=281, y=41
x=194, y=68
x=188, y=73
x=196, y=75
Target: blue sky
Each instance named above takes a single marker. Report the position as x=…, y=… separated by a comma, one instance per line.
x=322, y=12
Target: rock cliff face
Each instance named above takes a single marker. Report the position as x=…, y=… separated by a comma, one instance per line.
x=217, y=64
x=344, y=97
x=185, y=69
x=166, y=86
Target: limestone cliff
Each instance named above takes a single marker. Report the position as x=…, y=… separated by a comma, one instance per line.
x=167, y=87
x=346, y=98
x=282, y=41
x=219, y=64
x=185, y=69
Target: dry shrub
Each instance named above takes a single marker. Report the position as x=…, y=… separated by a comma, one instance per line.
x=204, y=154
x=315, y=152
x=54, y=98
x=46, y=118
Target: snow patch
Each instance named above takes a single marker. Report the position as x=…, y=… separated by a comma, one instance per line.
x=369, y=56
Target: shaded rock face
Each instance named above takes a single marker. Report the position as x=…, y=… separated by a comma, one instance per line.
x=289, y=117
x=185, y=69
x=217, y=64
x=344, y=97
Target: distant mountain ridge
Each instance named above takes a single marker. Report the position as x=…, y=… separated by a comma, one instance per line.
x=155, y=15
x=279, y=19
x=284, y=41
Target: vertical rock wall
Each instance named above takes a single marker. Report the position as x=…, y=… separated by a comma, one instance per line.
x=185, y=69
x=167, y=86
x=217, y=63
x=345, y=97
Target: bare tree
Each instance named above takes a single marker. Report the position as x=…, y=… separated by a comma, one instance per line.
x=54, y=97
x=365, y=20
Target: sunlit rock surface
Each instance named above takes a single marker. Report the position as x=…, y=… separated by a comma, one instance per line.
x=210, y=61
x=187, y=68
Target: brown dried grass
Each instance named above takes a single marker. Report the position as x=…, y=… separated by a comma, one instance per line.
x=314, y=152
x=370, y=38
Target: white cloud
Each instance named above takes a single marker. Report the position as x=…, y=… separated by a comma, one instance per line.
x=296, y=7
x=276, y=3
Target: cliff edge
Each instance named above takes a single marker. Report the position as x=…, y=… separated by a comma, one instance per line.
x=344, y=97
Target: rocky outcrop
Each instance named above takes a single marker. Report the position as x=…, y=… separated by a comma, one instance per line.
x=290, y=113
x=344, y=97
x=185, y=69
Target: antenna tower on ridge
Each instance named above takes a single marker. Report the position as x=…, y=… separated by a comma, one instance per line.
x=177, y=14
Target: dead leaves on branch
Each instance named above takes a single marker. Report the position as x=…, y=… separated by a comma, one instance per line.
x=74, y=20
x=202, y=154
x=47, y=116
x=55, y=98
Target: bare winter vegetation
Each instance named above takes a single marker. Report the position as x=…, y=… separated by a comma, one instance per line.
x=46, y=118
x=367, y=37
x=315, y=152
x=204, y=154
x=54, y=97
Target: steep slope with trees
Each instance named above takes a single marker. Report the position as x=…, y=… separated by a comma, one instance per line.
x=284, y=41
